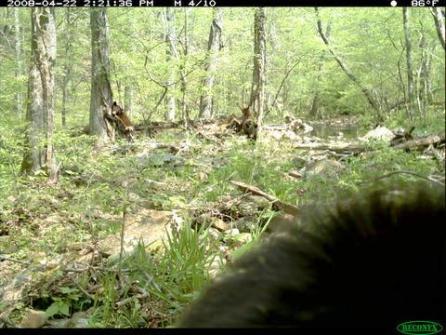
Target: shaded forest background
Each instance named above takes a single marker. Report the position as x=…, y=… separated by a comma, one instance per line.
x=302, y=76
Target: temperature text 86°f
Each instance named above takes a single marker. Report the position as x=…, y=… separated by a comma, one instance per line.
x=43, y=3
x=202, y=3
x=424, y=3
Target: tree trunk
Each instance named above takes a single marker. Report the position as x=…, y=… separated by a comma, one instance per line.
x=257, y=101
x=39, y=150
x=130, y=79
x=397, y=101
x=172, y=55
x=67, y=62
x=214, y=46
x=410, y=81
x=424, y=97
x=101, y=93
x=128, y=99
x=18, y=56
x=315, y=104
x=345, y=68
x=427, y=76
x=275, y=97
x=183, y=76
x=439, y=24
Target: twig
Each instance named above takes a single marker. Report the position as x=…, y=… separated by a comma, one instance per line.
x=409, y=173
x=3, y=258
x=295, y=174
x=217, y=213
x=96, y=268
x=84, y=291
x=287, y=208
x=130, y=299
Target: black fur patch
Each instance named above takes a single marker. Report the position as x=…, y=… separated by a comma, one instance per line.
x=378, y=260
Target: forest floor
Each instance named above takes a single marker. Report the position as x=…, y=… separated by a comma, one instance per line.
x=111, y=244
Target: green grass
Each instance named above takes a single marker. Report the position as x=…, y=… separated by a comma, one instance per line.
x=174, y=276
x=171, y=280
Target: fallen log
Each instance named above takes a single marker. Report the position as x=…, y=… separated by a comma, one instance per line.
x=350, y=148
x=164, y=125
x=295, y=174
x=417, y=144
x=285, y=207
x=421, y=143
x=157, y=125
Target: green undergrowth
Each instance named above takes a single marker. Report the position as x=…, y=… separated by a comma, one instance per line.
x=43, y=222
x=169, y=281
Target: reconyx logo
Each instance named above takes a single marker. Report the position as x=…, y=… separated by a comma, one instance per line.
x=419, y=328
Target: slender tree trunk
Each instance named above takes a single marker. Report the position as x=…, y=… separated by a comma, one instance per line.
x=438, y=15
x=274, y=39
x=39, y=150
x=130, y=78
x=345, y=68
x=101, y=93
x=67, y=62
x=315, y=104
x=214, y=46
x=423, y=92
x=273, y=99
x=64, y=95
x=172, y=55
x=410, y=81
x=257, y=101
x=18, y=56
x=128, y=99
x=183, y=76
x=400, y=82
x=427, y=76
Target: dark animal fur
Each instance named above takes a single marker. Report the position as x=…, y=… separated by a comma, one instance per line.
x=246, y=125
x=402, y=138
x=123, y=121
x=374, y=261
